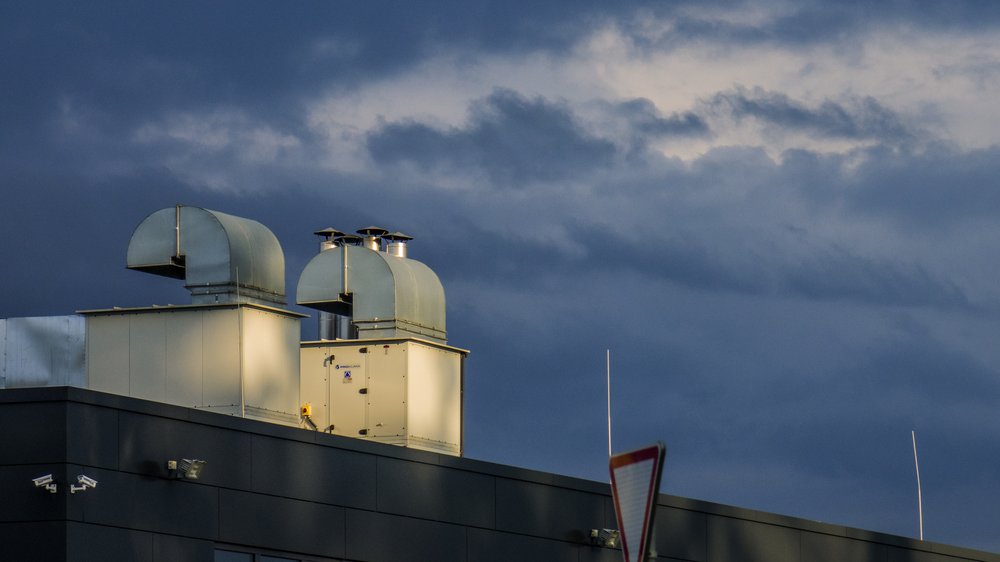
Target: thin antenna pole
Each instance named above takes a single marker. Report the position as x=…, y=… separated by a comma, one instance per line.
x=920, y=500
x=608, y=363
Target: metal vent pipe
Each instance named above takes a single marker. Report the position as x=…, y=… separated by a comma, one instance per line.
x=329, y=323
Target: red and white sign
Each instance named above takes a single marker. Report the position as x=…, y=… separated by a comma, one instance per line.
x=635, y=482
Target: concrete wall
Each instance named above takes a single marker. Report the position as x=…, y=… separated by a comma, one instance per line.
x=312, y=496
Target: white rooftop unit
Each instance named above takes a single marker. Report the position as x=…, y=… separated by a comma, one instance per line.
x=401, y=391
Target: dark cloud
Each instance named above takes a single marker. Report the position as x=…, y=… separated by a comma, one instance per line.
x=647, y=120
x=940, y=187
x=815, y=22
x=512, y=139
x=856, y=119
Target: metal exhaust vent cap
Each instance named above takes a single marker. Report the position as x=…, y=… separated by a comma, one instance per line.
x=396, y=243
x=330, y=236
x=372, y=235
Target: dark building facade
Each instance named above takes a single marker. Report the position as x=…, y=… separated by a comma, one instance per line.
x=275, y=493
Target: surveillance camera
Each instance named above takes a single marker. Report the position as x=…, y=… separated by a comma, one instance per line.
x=42, y=480
x=45, y=482
x=86, y=481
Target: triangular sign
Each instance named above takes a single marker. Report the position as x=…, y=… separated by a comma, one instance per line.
x=635, y=482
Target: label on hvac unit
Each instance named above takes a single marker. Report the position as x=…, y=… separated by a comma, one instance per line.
x=347, y=377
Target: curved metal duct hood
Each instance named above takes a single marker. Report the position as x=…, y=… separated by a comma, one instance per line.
x=222, y=258
x=386, y=296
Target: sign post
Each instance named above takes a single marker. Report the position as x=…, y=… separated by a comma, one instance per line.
x=635, y=483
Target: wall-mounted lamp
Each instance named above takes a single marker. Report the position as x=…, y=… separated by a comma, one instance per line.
x=84, y=483
x=46, y=482
x=608, y=538
x=189, y=469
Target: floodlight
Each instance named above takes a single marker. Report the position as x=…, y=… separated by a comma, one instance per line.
x=605, y=537
x=189, y=469
x=46, y=482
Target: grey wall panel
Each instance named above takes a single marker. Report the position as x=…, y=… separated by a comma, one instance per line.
x=681, y=534
x=33, y=541
x=817, y=547
x=434, y=492
x=309, y=471
x=147, y=353
x=20, y=500
x=378, y=537
x=281, y=524
x=162, y=505
x=146, y=443
x=737, y=540
x=493, y=546
x=598, y=554
x=96, y=543
x=547, y=511
x=91, y=435
x=107, y=354
x=895, y=554
x=27, y=433
x=167, y=548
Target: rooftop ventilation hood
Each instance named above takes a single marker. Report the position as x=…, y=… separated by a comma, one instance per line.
x=386, y=296
x=221, y=258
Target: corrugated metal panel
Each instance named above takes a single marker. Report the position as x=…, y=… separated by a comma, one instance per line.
x=43, y=351
x=3, y=353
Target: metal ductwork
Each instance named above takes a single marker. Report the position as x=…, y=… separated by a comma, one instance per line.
x=222, y=258
x=386, y=296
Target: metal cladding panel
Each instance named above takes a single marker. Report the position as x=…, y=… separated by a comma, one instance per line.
x=444, y=493
x=185, y=360
x=97, y=543
x=108, y=354
x=314, y=387
x=281, y=523
x=379, y=536
x=221, y=343
x=434, y=412
x=736, y=539
x=147, y=356
x=347, y=375
x=271, y=365
x=306, y=471
x=491, y=546
x=387, y=400
x=42, y=351
x=817, y=547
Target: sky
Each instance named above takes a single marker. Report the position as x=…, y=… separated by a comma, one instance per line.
x=779, y=217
